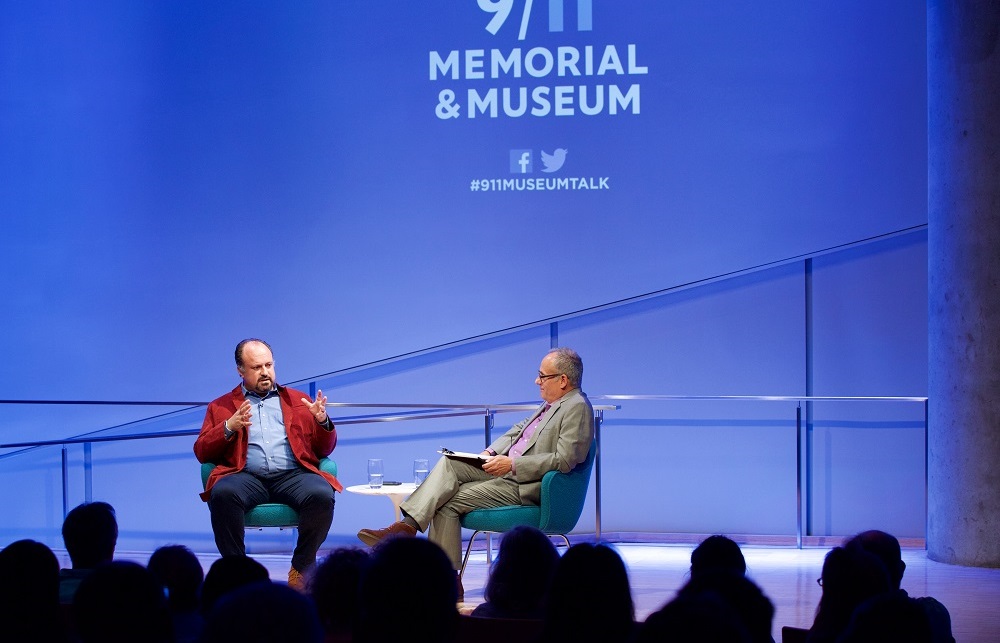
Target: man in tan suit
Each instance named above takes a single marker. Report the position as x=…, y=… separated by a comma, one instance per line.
x=557, y=436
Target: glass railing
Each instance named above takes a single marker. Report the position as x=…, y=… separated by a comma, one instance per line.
x=179, y=419
x=803, y=423
x=165, y=425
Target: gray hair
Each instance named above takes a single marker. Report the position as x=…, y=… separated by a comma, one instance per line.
x=569, y=363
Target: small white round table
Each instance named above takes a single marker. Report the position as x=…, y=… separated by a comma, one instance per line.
x=397, y=493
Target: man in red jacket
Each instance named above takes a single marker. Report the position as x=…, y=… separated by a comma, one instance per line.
x=266, y=441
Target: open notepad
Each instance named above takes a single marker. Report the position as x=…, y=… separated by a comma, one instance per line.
x=470, y=458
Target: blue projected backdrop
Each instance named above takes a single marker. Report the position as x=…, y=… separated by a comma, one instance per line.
x=355, y=180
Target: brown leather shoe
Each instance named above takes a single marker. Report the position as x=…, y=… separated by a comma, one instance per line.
x=372, y=537
x=296, y=580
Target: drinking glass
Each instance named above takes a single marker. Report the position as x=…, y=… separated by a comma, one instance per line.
x=375, y=473
x=419, y=471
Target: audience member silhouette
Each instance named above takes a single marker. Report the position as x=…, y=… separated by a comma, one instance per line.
x=90, y=534
x=121, y=602
x=745, y=598
x=589, y=598
x=886, y=547
x=694, y=618
x=717, y=604
x=263, y=612
x=585, y=595
x=717, y=553
x=519, y=581
x=850, y=576
x=408, y=593
x=229, y=573
x=892, y=616
x=335, y=587
x=179, y=572
x=29, y=593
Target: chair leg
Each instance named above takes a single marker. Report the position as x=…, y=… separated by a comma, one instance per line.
x=468, y=551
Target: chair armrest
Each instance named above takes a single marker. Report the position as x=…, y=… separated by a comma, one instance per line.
x=206, y=470
x=328, y=466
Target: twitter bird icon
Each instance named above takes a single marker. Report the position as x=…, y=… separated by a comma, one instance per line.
x=553, y=161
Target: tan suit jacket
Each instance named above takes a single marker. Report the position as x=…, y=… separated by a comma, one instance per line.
x=560, y=442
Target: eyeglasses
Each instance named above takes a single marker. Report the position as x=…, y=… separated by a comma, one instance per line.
x=819, y=581
x=542, y=376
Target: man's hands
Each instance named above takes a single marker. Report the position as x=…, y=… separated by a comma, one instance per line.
x=317, y=408
x=498, y=465
x=241, y=419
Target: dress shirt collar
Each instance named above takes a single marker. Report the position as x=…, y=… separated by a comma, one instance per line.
x=248, y=393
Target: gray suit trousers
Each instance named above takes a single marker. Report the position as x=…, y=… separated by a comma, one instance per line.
x=451, y=490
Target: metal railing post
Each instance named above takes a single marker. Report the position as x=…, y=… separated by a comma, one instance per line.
x=88, y=472
x=488, y=428
x=798, y=475
x=598, y=420
x=65, y=481
x=927, y=515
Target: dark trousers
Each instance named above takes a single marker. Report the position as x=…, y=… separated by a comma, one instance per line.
x=306, y=492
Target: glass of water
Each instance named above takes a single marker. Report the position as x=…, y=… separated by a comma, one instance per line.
x=419, y=471
x=375, y=473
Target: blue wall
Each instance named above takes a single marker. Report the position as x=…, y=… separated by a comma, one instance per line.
x=677, y=466
x=178, y=176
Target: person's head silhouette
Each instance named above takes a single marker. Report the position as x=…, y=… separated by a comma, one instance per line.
x=886, y=548
x=179, y=571
x=29, y=592
x=121, y=602
x=408, y=592
x=718, y=553
x=335, y=585
x=520, y=578
x=229, y=573
x=590, y=597
x=263, y=612
x=90, y=533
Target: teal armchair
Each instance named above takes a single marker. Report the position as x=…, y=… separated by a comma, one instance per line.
x=271, y=514
x=562, y=499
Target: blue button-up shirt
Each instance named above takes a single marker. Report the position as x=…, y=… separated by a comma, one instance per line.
x=268, y=451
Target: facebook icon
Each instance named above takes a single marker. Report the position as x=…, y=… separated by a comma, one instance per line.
x=520, y=162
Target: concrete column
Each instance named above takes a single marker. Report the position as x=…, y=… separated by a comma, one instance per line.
x=963, y=136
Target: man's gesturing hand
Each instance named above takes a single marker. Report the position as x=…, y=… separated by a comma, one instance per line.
x=317, y=408
x=241, y=419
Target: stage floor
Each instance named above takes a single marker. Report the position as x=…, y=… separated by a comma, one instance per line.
x=786, y=574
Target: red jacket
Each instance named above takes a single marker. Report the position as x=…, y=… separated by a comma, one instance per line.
x=308, y=440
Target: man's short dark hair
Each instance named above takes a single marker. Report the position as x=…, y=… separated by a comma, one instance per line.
x=249, y=340
x=90, y=533
x=718, y=553
x=886, y=547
